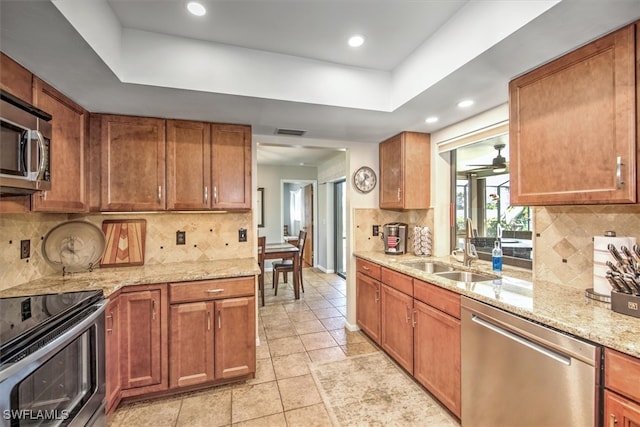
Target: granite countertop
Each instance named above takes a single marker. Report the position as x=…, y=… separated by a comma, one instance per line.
x=561, y=307
x=109, y=280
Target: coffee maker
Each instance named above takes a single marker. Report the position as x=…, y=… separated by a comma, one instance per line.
x=394, y=236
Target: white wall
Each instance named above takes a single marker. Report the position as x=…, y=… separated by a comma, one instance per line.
x=332, y=170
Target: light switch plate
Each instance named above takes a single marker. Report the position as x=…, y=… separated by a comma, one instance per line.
x=25, y=249
x=242, y=235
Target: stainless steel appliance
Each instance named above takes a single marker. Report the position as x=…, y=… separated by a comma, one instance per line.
x=394, y=236
x=52, y=360
x=519, y=373
x=25, y=139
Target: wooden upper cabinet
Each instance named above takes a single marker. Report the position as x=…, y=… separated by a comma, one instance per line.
x=15, y=79
x=405, y=171
x=188, y=165
x=231, y=166
x=572, y=130
x=69, y=152
x=132, y=163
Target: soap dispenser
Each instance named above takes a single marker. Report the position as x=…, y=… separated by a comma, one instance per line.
x=496, y=256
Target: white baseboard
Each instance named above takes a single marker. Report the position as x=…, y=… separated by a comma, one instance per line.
x=351, y=327
x=325, y=270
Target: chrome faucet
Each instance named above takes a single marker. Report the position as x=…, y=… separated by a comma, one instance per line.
x=470, y=253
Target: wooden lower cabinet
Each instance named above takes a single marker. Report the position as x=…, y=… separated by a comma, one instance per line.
x=368, y=306
x=620, y=412
x=191, y=356
x=143, y=343
x=235, y=343
x=396, y=336
x=437, y=354
x=112, y=353
x=213, y=338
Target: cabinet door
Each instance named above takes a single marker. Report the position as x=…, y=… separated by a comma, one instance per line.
x=437, y=354
x=132, y=163
x=581, y=106
x=391, y=156
x=188, y=165
x=620, y=412
x=141, y=339
x=368, y=306
x=396, y=335
x=112, y=353
x=191, y=343
x=235, y=337
x=69, y=151
x=15, y=79
x=231, y=166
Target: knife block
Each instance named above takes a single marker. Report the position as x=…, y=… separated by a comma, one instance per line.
x=625, y=303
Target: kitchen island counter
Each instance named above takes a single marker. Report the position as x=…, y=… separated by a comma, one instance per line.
x=560, y=307
x=110, y=280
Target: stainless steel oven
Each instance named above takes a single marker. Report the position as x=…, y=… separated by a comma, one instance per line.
x=52, y=360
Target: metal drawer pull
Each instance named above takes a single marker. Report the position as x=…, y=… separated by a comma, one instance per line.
x=153, y=309
x=206, y=194
x=365, y=268
x=159, y=193
x=619, y=165
x=208, y=320
x=612, y=420
x=413, y=317
x=406, y=314
x=214, y=291
x=110, y=316
x=219, y=326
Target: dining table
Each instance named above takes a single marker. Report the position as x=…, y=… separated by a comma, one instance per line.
x=284, y=250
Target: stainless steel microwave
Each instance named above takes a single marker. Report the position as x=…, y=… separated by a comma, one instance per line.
x=25, y=144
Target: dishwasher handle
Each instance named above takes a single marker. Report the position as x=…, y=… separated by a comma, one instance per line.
x=521, y=340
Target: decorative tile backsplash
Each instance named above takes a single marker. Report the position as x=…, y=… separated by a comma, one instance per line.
x=563, y=239
x=365, y=219
x=210, y=236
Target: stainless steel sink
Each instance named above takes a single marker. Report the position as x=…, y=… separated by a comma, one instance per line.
x=464, y=276
x=428, y=266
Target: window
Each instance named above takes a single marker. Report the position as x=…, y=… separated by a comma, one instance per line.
x=482, y=194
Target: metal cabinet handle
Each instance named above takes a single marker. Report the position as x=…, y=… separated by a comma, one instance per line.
x=219, y=324
x=365, y=268
x=153, y=309
x=208, y=320
x=619, y=165
x=377, y=296
x=406, y=313
x=206, y=194
x=214, y=291
x=110, y=316
x=398, y=193
x=612, y=420
x=413, y=317
x=159, y=193
x=215, y=194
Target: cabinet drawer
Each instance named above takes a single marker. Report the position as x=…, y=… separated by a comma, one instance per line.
x=211, y=289
x=369, y=268
x=398, y=281
x=442, y=299
x=621, y=373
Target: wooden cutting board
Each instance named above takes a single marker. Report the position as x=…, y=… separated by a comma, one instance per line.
x=125, y=239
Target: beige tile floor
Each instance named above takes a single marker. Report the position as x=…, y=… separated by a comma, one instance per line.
x=293, y=335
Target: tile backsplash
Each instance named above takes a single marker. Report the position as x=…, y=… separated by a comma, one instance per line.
x=563, y=239
x=365, y=219
x=208, y=236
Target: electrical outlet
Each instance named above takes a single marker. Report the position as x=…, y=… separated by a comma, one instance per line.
x=181, y=237
x=376, y=230
x=25, y=249
x=242, y=235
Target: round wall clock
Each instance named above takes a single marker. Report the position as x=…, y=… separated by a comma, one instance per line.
x=364, y=179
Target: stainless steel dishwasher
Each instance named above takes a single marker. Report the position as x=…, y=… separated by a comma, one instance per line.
x=519, y=373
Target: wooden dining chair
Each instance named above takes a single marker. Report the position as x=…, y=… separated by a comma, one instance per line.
x=262, y=243
x=287, y=266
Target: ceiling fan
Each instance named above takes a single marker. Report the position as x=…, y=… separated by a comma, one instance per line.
x=498, y=164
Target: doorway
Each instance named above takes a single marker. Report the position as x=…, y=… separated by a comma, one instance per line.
x=299, y=213
x=340, y=238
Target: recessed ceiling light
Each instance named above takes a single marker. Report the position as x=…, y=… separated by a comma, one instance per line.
x=356, y=41
x=432, y=119
x=196, y=8
x=466, y=103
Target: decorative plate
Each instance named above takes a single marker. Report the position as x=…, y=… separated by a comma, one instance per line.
x=73, y=246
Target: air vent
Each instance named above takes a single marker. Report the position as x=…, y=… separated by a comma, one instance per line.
x=290, y=132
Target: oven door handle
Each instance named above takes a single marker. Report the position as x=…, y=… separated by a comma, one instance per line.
x=13, y=372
